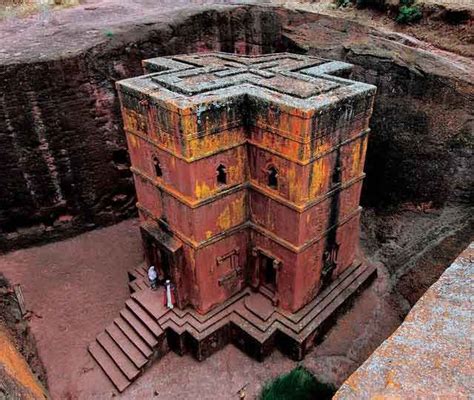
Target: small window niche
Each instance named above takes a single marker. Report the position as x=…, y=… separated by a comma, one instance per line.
x=272, y=175
x=336, y=176
x=157, y=166
x=221, y=175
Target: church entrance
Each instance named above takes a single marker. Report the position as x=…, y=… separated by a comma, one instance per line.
x=158, y=255
x=161, y=260
x=267, y=272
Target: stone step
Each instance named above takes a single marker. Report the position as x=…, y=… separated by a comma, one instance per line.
x=133, y=286
x=152, y=301
x=134, y=275
x=297, y=316
x=327, y=299
x=128, y=331
x=142, y=275
x=141, y=272
x=139, y=327
x=141, y=285
x=117, y=377
x=349, y=290
x=144, y=317
x=253, y=319
x=267, y=292
x=126, y=345
x=118, y=356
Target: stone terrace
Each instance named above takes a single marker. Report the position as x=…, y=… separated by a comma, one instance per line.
x=145, y=329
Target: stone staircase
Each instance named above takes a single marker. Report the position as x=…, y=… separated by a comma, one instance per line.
x=145, y=329
x=138, y=279
x=131, y=342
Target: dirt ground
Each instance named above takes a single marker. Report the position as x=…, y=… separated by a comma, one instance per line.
x=76, y=287
x=100, y=17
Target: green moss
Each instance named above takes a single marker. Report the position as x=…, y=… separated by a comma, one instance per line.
x=298, y=384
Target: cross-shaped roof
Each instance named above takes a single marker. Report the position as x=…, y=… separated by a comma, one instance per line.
x=293, y=81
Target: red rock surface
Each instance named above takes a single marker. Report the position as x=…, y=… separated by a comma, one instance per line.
x=430, y=354
x=16, y=378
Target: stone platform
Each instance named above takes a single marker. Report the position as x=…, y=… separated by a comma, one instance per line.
x=146, y=329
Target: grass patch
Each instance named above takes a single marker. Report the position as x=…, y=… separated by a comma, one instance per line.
x=298, y=384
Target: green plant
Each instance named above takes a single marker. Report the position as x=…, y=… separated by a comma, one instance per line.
x=298, y=384
x=408, y=13
x=343, y=3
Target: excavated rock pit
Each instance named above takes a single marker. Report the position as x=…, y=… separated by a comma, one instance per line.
x=65, y=162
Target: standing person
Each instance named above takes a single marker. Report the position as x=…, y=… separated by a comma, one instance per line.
x=169, y=294
x=152, y=277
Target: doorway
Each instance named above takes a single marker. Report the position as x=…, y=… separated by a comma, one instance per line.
x=158, y=256
x=267, y=272
x=161, y=262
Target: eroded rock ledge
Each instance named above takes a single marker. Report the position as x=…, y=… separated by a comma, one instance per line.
x=429, y=355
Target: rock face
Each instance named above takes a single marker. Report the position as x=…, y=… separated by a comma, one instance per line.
x=431, y=351
x=64, y=160
x=16, y=379
x=64, y=157
x=22, y=374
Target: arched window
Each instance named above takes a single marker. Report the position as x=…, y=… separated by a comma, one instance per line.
x=272, y=173
x=221, y=175
x=156, y=164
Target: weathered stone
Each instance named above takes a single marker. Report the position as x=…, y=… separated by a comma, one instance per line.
x=430, y=354
x=254, y=166
x=17, y=381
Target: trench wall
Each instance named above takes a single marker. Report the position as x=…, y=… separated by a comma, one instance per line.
x=64, y=161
